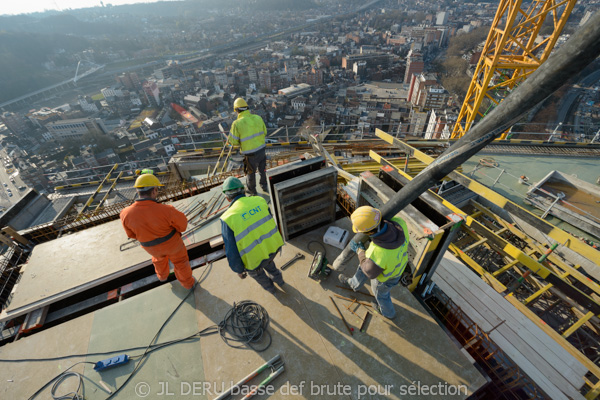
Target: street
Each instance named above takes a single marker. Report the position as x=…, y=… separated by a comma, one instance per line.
x=10, y=184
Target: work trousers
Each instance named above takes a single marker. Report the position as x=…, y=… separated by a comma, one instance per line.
x=172, y=250
x=264, y=280
x=256, y=162
x=381, y=291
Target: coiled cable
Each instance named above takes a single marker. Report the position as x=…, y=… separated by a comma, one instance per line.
x=245, y=324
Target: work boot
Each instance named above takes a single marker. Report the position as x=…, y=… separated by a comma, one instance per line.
x=250, y=192
x=344, y=279
x=264, y=188
x=377, y=309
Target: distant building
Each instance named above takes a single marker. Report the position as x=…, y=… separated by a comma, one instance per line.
x=313, y=77
x=87, y=104
x=252, y=75
x=418, y=123
x=75, y=128
x=295, y=90
x=152, y=92
x=44, y=116
x=14, y=122
x=360, y=68
x=414, y=65
x=442, y=18
x=299, y=103
x=372, y=60
x=264, y=79
x=130, y=80
x=368, y=49
x=426, y=93
x=109, y=92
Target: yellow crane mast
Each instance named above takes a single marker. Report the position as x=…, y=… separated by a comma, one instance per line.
x=513, y=50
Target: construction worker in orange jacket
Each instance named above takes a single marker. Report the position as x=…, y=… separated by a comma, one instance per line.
x=158, y=228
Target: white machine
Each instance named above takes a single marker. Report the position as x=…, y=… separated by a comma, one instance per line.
x=336, y=237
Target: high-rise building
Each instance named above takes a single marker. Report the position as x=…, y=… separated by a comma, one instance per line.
x=264, y=80
x=130, y=80
x=418, y=122
x=152, y=92
x=252, y=75
x=414, y=65
x=426, y=93
x=442, y=18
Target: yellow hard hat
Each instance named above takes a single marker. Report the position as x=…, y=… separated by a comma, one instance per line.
x=239, y=103
x=147, y=180
x=365, y=219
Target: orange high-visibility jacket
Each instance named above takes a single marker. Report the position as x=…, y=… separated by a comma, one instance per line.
x=147, y=220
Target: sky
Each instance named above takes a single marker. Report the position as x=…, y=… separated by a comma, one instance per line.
x=29, y=6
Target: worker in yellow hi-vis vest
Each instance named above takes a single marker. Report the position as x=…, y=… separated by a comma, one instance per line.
x=248, y=131
x=385, y=261
x=250, y=236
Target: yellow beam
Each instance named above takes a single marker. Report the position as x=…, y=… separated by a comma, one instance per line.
x=485, y=276
x=538, y=294
x=550, y=230
x=577, y=324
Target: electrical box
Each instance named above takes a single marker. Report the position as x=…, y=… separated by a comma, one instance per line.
x=336, y=237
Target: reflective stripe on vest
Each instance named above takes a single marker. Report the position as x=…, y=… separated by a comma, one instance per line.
x=249, y=131
x=255, y=231
x=393, y=261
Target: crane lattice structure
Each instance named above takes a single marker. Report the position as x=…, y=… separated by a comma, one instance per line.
x=513, y=50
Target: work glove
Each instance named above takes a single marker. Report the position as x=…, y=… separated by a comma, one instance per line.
x=355, y=246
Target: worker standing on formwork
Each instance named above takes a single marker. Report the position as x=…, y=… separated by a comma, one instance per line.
x=158, y=228
x=384, y=261
x=248, y=131
x=250, y=236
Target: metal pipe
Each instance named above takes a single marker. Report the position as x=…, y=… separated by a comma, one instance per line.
x=249, y=377
x=570, y=59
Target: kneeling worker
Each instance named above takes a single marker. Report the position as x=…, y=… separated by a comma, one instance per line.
x=158, y=228
x=250, y=236
x=384, y=261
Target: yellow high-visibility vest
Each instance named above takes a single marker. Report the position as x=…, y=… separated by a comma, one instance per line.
x=248, y=131
x=393, y=261
x=255, y=231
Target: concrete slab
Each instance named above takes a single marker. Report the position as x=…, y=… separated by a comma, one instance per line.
x=79, y=261
x=20, y=380
x=392, y=359
x=134, y=322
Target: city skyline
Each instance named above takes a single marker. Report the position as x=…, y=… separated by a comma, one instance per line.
x=33, y=6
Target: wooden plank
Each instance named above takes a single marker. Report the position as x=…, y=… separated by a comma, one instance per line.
x=556, y=356
x=530, y=369
x=35, y=319
x=462, y=303
x=593, y=368
x=216, y=241
x=519, y=344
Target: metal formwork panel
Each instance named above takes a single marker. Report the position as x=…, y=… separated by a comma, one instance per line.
x=289, y=171
x=306, y=202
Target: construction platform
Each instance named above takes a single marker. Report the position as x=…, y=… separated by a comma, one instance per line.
x=83, y=260
x=408, y=357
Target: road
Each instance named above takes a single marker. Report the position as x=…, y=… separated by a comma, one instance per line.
x=9, y=190
x=566, y=105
